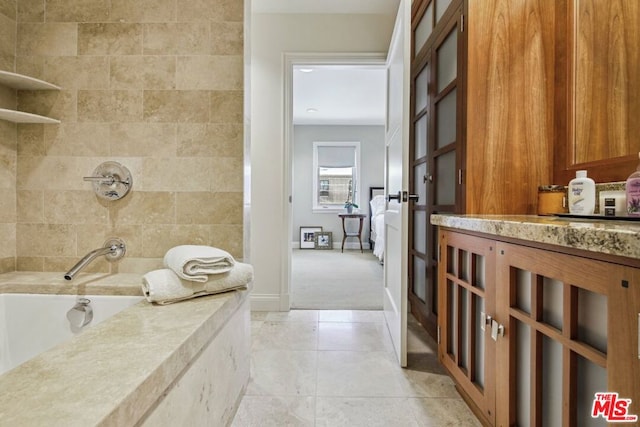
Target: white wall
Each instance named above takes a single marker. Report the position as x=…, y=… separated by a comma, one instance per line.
x=272, y=36
x=372, y=174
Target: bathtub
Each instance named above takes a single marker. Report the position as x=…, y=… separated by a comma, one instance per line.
x=33, y=323
x=181, y=364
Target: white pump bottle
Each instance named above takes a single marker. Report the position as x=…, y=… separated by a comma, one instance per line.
x=582, y=194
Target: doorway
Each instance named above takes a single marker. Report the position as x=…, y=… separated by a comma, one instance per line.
x=334, y=103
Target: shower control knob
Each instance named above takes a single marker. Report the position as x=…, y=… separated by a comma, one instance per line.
x=111, y=181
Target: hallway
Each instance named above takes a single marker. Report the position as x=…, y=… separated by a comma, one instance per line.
x=337, y=368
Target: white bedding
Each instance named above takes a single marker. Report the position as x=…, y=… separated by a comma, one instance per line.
x=377, y=225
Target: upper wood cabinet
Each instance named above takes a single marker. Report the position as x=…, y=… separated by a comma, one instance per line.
x=598, y=95
x=510, y=96
x=519, y=87
x=507, y=91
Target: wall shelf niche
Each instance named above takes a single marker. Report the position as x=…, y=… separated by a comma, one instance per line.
x=22, y=82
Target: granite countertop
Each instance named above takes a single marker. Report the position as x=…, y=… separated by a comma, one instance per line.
x=621, y=238
x=113, y=372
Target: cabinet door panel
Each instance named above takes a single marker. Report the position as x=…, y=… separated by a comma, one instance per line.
x=436, y=122
x=566, y=335
x=466, y=297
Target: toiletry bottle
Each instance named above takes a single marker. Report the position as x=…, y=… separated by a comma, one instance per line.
x=582, y=194
x=632, y=190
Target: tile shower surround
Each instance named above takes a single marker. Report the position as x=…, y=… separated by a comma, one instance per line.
x=154, y=84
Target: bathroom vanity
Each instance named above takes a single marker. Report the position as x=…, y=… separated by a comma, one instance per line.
x=538, y=314
x=181, y=364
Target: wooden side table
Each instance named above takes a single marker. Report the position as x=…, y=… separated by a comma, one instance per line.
x=344, y=229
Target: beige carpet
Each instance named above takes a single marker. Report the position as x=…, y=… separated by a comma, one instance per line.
x=331, y=280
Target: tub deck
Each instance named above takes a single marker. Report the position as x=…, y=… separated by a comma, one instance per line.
x=117, y=372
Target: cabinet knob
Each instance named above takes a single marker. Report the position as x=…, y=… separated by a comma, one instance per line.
x=485, y=320
x=496, y=330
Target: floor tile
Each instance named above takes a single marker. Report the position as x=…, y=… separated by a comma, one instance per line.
x=293, y=316
x=418, y=340
x=365, y=412
x=351, y=316
x=259, y=315
x=283, y=373
x=337, y=368
x=267, y=411
x=434, y=412
x=286, y=336
x=360, y=374
x=353, y=336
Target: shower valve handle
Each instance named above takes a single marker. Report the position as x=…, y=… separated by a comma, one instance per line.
x=109, y=180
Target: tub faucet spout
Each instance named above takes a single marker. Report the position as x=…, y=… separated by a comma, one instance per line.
x=113, y=250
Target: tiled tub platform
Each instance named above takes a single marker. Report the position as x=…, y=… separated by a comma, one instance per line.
x=181, y=364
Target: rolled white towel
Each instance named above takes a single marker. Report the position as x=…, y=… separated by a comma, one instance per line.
x=165, y=287
x=195, y=262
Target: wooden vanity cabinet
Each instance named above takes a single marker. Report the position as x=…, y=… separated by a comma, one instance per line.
x=466, y=291
x=530, y=334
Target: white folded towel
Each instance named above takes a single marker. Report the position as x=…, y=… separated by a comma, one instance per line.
x=165, y=287
x=195, y=262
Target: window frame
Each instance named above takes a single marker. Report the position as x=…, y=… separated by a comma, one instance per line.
x=333, y=208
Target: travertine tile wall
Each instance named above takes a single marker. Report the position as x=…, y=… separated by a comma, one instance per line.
x=153, y=84
x=8, y=160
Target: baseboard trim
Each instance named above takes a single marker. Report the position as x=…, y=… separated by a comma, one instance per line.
x=265, y=302
x=337, y=245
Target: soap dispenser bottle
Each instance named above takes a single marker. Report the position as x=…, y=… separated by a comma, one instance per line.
x=582, y=194
x=632, y=189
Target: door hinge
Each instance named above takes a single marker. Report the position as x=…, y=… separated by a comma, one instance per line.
x=459, y=176
x=462, y=23
x=438, y=334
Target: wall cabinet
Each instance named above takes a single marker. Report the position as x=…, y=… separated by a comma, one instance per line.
x=22, y=82
x=482, y=105
x=501, y=88
x=436, y=141
x=530, y=334
x=599, y=93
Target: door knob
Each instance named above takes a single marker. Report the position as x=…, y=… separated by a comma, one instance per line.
x=397, y=197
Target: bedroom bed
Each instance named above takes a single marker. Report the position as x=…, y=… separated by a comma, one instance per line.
x=376, y=221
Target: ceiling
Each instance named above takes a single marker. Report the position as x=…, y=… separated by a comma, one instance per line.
x=337, y=94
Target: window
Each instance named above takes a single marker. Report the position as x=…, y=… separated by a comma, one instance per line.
x=336, y=175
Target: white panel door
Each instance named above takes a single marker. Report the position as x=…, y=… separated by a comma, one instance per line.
x=396, y=182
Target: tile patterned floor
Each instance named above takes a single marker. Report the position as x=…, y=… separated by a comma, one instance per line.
x=337, y=368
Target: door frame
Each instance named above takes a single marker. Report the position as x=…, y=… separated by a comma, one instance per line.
x=290, y=59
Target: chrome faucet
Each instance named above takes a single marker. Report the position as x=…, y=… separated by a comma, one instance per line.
x=80, y=315
x=113, y=250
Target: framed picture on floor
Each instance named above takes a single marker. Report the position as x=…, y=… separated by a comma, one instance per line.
x=323, y=240
x=308, y=237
